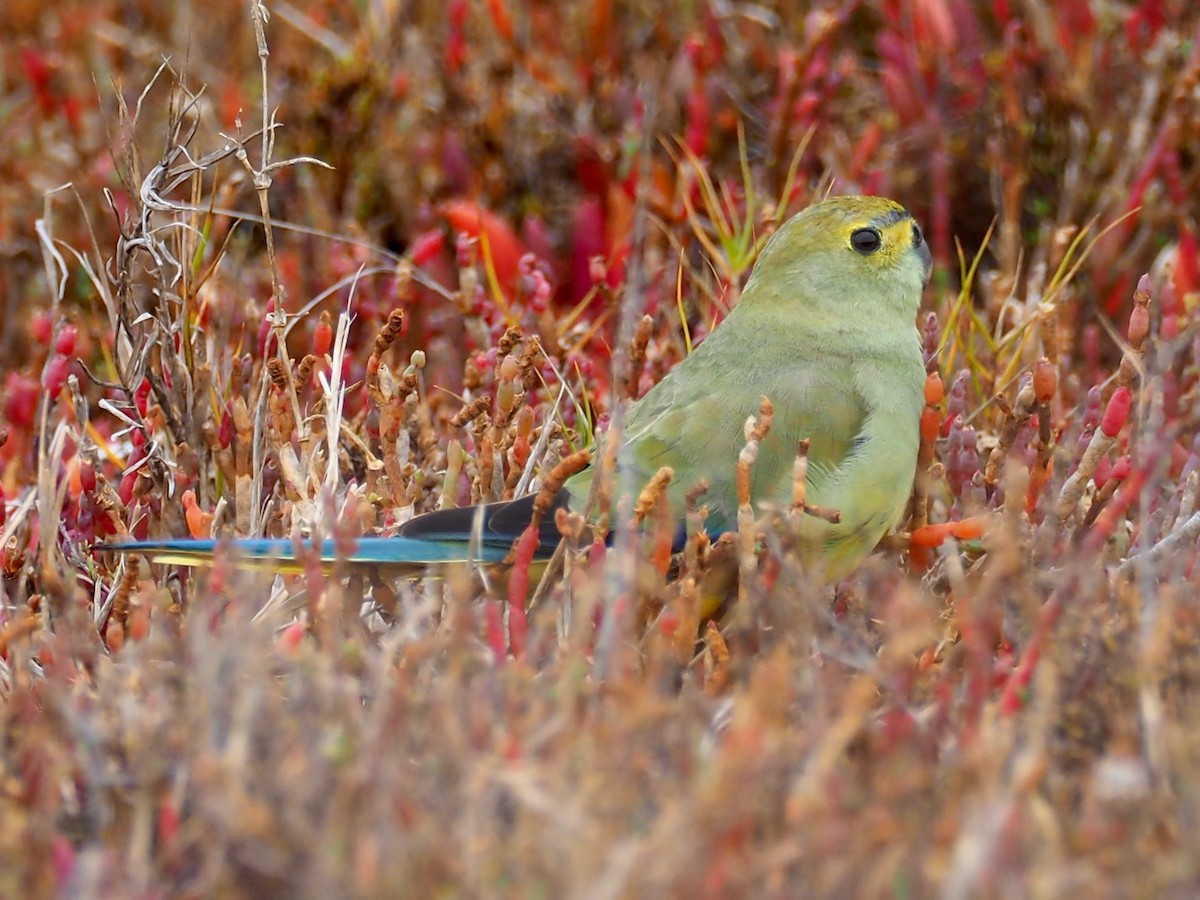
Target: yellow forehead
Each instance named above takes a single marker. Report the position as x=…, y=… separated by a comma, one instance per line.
x=830, y=225
x=859, y=212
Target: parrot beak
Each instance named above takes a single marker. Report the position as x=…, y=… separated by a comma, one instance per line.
x=927, y=258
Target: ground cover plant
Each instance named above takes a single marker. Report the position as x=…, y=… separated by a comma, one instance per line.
x=312, y=268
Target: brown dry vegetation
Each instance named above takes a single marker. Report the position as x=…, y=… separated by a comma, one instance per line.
x=1001, y=702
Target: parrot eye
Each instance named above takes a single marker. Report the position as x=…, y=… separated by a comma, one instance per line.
x=917, y=238
x=866, y=241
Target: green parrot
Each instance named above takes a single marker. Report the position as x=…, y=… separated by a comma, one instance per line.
x=825, y=328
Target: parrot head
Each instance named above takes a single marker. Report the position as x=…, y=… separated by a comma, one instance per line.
x=848, y=256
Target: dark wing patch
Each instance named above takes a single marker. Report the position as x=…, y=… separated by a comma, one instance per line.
x=502, y=522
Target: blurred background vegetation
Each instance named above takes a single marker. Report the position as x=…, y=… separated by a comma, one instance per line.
x=1015, y=722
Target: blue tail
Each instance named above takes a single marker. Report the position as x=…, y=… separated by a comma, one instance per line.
x=479, y=534
x=378, y=551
